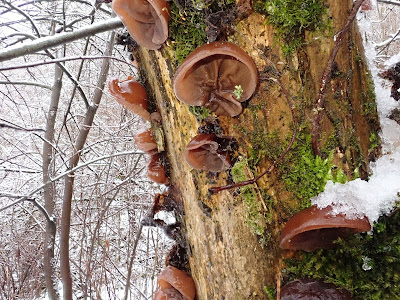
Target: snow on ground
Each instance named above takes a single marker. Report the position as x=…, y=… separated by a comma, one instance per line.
x=378, y=195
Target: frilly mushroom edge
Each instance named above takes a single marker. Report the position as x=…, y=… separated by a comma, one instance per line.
x=314, y=228
x=144, y=141
x=146, y=20
x=130, y=94
x=179, y=280
x=204, y=153
x=210, y=75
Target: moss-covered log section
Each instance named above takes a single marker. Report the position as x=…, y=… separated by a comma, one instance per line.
x=233, y=236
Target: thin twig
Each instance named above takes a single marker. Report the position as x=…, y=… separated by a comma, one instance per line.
x=278, y=286
x=42, y=209
x=215, y=190
x=387, y=44
x=67, y=173
x=326, y=75
x=26, y=83
x=64, y=59
x=390, y=2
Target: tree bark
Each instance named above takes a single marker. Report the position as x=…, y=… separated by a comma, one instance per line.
x=226, y=259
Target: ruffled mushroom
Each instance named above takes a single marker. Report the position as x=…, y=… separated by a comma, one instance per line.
x=204, y=153
x=168, y=294
x=156, y=170
x=218, y=76
x=145, y=142
x=146, y=20
x=366, y=5
x=172, y=277
x=314, y=228
x=313, y=290
x=131, y=95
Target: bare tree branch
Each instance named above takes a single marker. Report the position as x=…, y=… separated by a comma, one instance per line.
x=59, y=60
x=67, y=173
x=386, y=43
x=27, y=83
x=390, y=2
x=133, y=255
x=17, y=127
x=69, y=180
x=59, y=39
x=50, y=190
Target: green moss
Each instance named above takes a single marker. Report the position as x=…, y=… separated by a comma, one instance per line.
x=291, y=18
x=187, y=26
x=369, y=102
x=366, y=265
x=263, y=143
x=305, y=174
x=374, y=142
x=271, y=292
x=256, y=218
x=200, y=112
x=186, y=30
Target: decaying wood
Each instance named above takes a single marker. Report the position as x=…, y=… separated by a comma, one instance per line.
x=225, y=257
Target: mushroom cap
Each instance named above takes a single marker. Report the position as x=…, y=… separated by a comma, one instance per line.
x=209, y=76
x=146, y=20
x=314, y=228
x=309, y=289
x=130, y=94
x=145, y=142
x=179, y=280
x=168, y=294
x=156, y=170
x=203, y=153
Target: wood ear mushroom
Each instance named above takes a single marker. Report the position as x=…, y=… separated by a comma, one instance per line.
x=314, y=228
x=146, y=20
x=210, y=75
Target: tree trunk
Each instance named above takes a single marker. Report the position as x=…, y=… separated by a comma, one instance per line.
x=227, y=260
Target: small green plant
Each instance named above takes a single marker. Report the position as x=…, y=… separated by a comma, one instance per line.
x=187, y=31
x=200, y=112
x=366, y=265
x=374, y=141
x=255, y=216
x=238, y=91
x=291, y=18
x=263, y=143
x=187, y=25
x=271, y=292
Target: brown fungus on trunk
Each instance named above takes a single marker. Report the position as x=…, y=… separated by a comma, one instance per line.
x=179, y=280
x=309, y=289
x=130, y=94
x=219, y=76
x=156, y=170
x=393, y=74
x=146, y=20
x=144, y=141
x=168, y=294
x=315, y=228
x=206, y=152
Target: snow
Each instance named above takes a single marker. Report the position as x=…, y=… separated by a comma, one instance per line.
x=379, y=194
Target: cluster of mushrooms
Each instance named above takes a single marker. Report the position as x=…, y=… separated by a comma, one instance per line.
x=132, y=95
x=210, y=77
